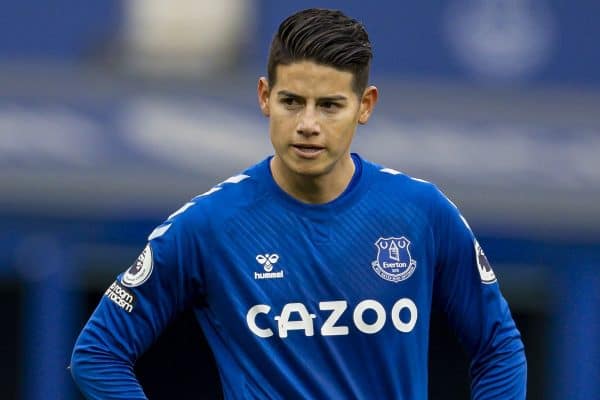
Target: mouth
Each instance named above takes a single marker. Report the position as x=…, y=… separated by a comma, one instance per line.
x=308, y=150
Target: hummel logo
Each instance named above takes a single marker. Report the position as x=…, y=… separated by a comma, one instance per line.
x=267, y=261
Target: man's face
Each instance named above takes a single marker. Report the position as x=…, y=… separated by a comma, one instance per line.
x=313, y=114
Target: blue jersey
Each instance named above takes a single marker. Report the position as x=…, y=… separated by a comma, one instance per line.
x=300, y=301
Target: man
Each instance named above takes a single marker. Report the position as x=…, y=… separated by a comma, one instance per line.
x=314, y=272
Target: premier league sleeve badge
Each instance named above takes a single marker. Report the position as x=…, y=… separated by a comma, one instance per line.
x=140, y=270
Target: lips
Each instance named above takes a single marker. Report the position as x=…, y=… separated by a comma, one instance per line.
x=307, y=150
x=308, y=147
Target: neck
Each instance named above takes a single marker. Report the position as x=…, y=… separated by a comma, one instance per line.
x=312, y=189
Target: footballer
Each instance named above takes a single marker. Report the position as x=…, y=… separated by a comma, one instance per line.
x=313, y=273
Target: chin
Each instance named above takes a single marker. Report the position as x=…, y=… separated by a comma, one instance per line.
x=312, y=170
x=306, y=168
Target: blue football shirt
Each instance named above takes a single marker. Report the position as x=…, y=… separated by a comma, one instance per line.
x=301, y=301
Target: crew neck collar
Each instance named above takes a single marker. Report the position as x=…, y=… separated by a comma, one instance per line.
x=349, y=196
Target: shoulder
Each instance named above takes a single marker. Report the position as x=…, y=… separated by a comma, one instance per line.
x=423, y=195
x=390, y=182
x=215, y=205
x=237, y=191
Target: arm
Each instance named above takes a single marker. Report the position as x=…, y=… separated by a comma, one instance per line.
x=468, y=292
x=133, y=312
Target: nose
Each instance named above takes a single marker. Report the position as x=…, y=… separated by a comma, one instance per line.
x=308, y=125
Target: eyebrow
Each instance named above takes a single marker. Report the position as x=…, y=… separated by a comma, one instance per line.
x=338, y=97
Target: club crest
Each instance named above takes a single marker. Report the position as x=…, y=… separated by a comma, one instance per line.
x=394, y=262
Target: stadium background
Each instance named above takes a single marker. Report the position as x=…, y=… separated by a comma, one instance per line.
x=113, y=114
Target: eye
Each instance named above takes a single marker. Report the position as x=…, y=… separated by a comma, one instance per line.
x=290, y=101
x=330, y=105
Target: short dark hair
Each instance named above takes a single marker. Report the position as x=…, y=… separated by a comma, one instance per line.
x=325, y=37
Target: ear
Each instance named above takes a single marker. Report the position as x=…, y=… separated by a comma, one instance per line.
x=263, y=92
x=367, y=104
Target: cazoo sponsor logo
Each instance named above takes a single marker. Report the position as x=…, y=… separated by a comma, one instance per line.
x=297, y=317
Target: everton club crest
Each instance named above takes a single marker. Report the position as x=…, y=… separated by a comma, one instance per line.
x=394, y=262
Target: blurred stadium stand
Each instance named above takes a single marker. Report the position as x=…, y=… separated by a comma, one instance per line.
x=113, y=114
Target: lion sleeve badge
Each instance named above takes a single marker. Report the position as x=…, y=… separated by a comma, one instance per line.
x=140, y=270
x=485, y=269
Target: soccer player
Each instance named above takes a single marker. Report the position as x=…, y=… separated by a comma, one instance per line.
x=314, y=272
